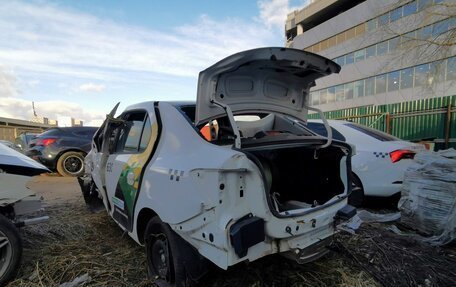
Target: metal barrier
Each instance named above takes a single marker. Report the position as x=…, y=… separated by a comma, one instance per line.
x=431, y=120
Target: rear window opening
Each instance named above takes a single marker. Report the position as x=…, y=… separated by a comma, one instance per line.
x=381, y=136
x=252, y=127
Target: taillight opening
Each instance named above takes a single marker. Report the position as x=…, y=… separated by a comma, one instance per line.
x=45, y=142
x=399, y=154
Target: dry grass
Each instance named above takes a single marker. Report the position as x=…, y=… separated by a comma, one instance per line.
x=75, y=242
x=395, y=260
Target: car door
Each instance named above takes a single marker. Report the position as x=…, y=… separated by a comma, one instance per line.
x=131, y=146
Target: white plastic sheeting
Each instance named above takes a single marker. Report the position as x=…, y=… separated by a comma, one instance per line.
x=428, y=201
x=362, y=216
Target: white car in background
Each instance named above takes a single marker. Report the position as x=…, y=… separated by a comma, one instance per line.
x=379, y=160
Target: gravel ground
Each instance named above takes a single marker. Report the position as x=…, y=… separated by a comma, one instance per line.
x=75, y=242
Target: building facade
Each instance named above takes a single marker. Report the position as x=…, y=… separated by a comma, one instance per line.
x=390, y=51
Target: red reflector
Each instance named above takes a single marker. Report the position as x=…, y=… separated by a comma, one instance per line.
x=45, y=142
x=399, y=154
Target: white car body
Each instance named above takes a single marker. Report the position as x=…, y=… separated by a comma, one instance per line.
x=372, y=162
x=207, y=190
x=17, y=203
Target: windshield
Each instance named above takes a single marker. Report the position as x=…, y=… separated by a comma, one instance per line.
x=320, y=129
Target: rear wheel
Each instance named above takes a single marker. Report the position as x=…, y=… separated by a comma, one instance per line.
x=71, y=164
x=356, y=197
x=10, y=250
x=165, y=262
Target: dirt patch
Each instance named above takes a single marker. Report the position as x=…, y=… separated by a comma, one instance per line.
x=75, y=242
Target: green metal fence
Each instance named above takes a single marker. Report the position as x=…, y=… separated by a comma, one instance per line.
x=431, y=120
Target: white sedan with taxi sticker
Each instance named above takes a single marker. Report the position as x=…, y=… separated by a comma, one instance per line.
x=379, y=162
x=230, y=178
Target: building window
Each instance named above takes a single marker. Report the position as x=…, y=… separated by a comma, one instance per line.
x=421, y=74
x=315, y=98
x=425, y=32
x=451, y=69
x=393, y=81
x=359, y=55
x=380, y=84
x=331, y=98
x=409, y=9
x=323, y=96
x=371, y=25
x=340, y=60
x=360, y=29
x=408, y=38
x=370, y=51
x=349, y=91
x=340, y=37
x=393, y=44
x=340, y=96
x=383, y=19
x=349, y=59
x=350, y=33
x=370, y=86
x=382, y=48
x=396, y=14
x=422, y=4
x=324, y=45
x=436, y=72
x=407, y=78
x=358, y=89
x=440, y=28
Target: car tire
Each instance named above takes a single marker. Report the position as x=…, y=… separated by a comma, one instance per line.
x=71, y=164
x=10, y=250
x=356, y=197
x=164, y=255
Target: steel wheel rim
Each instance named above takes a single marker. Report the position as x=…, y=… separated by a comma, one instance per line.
x=160, y=257
x=6, y=253
x=73, y=164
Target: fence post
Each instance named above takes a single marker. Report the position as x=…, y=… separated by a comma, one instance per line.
x=388, y=123
x=448, y=125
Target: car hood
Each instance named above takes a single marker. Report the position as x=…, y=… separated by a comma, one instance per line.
x=264, y=79
x=15, y=162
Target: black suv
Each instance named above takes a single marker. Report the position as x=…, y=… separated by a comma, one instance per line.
x=62, y=149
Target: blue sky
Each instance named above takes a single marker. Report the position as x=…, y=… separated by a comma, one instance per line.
x=78, y=58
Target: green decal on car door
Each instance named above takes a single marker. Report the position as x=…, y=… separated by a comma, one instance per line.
x=129, y=182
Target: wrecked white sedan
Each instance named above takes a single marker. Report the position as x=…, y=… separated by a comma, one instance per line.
x=230, y=179
x=17, y=202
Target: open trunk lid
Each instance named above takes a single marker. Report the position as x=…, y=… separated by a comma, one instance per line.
x=264, y=79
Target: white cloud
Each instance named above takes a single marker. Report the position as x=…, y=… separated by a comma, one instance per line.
x=81, y=45
x=22, y=109
x=273, y=13
x=33, y=83
x=7, y=84
x=55, y=46
x=90, y=87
